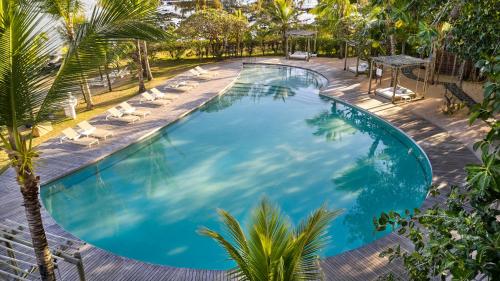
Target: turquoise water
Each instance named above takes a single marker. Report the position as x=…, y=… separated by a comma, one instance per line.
x=270, y=135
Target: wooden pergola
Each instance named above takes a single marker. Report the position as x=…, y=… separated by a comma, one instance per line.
x=308, y=34
x=397, y=62
x=358, y=47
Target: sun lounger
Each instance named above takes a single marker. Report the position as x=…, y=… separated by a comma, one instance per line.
x=130, y=110
x=115, y=114
x=402, y=93
x=180, y=85
x=88, y=130
x=299, y=55
x=74, y=137
x=204, y=71
x=362, y=68
x=146, y=97
x=157, y=94
x=199, y=75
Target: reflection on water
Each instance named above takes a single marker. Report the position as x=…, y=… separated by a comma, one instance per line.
x=270, y=134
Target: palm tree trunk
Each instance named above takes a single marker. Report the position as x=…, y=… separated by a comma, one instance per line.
x=142, y=87
x=87, y=94
x=85, y=87
x=393, y=53
x=106, y=71
x=145, y=61
x=392, y=44
x=29, y=184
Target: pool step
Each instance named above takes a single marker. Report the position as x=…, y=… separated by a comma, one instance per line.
x=277, y=91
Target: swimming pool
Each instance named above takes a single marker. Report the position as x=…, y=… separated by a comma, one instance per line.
x=270, y=135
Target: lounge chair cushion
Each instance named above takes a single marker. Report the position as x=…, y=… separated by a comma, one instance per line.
x=401, y=93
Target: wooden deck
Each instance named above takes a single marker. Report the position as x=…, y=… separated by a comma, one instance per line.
x=447, y=157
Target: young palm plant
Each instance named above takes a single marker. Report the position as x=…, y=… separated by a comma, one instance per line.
x=273, y=250
x=29, y=93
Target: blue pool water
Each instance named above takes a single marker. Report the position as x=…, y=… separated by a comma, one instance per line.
x=270, y=135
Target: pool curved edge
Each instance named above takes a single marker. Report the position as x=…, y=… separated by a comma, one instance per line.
x=213, y=274
x=396, y=132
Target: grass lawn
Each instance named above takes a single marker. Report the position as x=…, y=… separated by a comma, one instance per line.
x=162, y=68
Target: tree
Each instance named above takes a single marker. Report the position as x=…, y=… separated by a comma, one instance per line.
x=282, y=15
x=70, y=14
x=29, y=94
x=273, y=249
x=215, y=26
x=331, y=14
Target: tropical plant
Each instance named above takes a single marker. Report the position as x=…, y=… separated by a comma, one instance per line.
x=331, y=15
x=273, y=249
x=29, y=94
x=460, y=238
x=283, y=14
x=213, y=25
x=70, y=15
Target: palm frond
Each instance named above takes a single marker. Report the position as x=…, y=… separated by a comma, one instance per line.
x=24, y=50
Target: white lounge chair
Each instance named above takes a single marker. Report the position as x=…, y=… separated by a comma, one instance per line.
x=130, y=110
x=120, y=74
x=180, y=85
x=146, y=97
x=199, y=75
x=115, y=114
x=74, y=137
x=204, y=71
x=157, y=94
x=299, y=55
x=362, y=68
x=88, y=130
x=402, y=93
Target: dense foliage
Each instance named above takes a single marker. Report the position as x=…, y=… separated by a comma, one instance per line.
x=460, y=238
x=216, y=26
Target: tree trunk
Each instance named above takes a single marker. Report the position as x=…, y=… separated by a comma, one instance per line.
x=145, y=60
x=393, y=53
x=138, y=61
x=29, y=184
x=106, y=71
x=87, y=94
x=392, y=44
x=43, y=255
x=84, y=85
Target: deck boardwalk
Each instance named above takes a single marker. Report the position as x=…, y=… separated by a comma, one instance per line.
x=447, y=156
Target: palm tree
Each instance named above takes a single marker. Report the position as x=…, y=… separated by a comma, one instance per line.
x=283, y=15
x=70, y=14
x=29, y=93
x=273, y=250
x=332, y=15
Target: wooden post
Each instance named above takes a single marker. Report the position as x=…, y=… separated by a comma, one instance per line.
x=370, y=79
x=315, y=38
x=461, y=77
x=357, y=61
x=345, y=55
x=79, y=266
x=395, y=84
x=286, y=47
x=308, y=48
x=426, y=78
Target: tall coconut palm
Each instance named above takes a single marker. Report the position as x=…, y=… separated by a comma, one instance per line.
x=283, y=15
x=274, y=250
x=29, y=93
x=70, y=14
